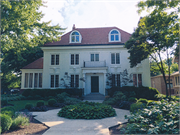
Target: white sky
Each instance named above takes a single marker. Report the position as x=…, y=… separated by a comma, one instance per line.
x=92, y=13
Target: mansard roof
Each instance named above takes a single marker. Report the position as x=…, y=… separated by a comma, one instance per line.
x=91, y=36
x=37, y=64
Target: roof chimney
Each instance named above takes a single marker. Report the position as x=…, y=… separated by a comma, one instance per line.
x=73, y=26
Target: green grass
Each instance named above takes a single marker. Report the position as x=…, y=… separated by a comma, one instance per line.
x=19, y=105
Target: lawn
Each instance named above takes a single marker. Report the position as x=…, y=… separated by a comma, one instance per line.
x=19, y=105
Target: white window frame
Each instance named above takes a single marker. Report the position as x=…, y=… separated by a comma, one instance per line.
x=74, y=58
x=55, y=81
x=119, y=35
x=33, y=80
x=74, y=83
x=94, y=57
x=137, y=79
x=115, y=58
x=70, y=37
x=54, y=59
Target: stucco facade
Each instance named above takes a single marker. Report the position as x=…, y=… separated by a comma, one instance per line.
x=88, y=63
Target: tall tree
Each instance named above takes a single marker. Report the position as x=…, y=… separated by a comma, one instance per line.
x=22, y=34
x=156, y=33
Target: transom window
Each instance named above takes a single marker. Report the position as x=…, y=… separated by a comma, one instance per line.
x=115, y=58
x=75, y=37
x=94, y=57
x=114, y=36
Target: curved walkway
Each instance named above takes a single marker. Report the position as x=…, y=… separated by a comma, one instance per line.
x=63, y=126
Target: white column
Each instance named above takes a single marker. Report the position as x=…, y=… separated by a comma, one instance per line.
x=104, y=83
x=84, y=85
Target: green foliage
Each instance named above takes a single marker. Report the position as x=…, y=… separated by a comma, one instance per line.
x=174, y=67
x=142, y=100
x=19, y=121
x=0, y=129
x=10, y=111
x=4, y=102
x=60, y=98
x=160, y=118
x=71, y=101
x=110, y=101
x=6, y=122
x=132, y=99
x=40, y=103
x=136, y=106
x=29, y=106
x=52, y=102
x=87, y=110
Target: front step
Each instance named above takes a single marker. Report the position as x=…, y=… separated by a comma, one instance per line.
x=94, y=96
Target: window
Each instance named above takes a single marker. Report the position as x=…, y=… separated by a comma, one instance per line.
x=55, y=59
x=116, y=80
x=94, y=57
x=75, y=37
x=137, y=80
x=54, y=81
x=114, y=36
x=74, y=59
x=177, y=80
x=115, y=58
x=171, y=85
x=29, y=79
x=26, y=80
x=38, y=80
x=75, y=81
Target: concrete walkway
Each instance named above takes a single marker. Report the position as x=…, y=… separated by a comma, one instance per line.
x=63, y=126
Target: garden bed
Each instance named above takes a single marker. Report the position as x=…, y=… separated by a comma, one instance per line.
x=116, y=130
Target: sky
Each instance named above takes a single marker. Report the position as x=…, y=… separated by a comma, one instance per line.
x=92, y=13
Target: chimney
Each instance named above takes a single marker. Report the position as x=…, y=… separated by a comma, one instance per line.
x=73, y=26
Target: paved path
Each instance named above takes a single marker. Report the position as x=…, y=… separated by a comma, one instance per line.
x=63, y=126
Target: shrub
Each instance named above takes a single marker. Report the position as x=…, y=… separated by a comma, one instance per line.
x=145, y=101
x=10, y=111
x=161, y=118
x=71, y=101
x=0, y=129
x=109, y=101
x=52, y=102
x=136, y=106
x=159, y=97
x=4, y=102
x=125, y=105
x=6, y=122
x=29, y=106
x=60, y=98
x=132, y=99
x=41, y=108
x=40, y=103
x=87, y=110
x=19, y=121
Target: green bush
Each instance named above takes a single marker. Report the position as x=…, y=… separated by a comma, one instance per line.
x=110, y=101
x=40, y=103
x=71, y=101
x=132, y=99
x=0, y=129
x=8, y=110
x=160, y=118
x=28, y=106
x=136, y=106
x=4, y=102
x=159, y=96
x=145, y=101
x=52, y=102
x=6, y=122
x=60, y=98
x=19, y=121
x=87, y=110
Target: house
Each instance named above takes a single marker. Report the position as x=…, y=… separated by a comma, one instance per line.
x=90, y=58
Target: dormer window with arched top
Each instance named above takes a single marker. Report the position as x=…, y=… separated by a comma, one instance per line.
x=75, y=37
x=114, y=36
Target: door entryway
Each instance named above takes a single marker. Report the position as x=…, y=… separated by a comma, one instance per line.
x=94, y=84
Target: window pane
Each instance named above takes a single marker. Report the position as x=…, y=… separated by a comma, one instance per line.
x=30, y=80
x=117, y=37
x=57, y=59
x=77, y=59
x=73, y=39
x=26, y=80
x=114, y=32
x=178, y=81
x=52, y=59
x=118, y=80
x=52, y=81
x=72, y=59
x=139, y=80
x=75, y=33
x=92, y=57
x=135, y=80
x=112, y=37
x=57, y=81
x=112, y=58
x=97, y=57
x=77, y=38
x=113, y=80
x=72, y=80
x=117, y=58
x=35, y=80
x=40, y=80
x=77, y=81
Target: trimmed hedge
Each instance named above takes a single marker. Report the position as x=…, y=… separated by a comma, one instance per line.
x=51, y=92
x=137, y=92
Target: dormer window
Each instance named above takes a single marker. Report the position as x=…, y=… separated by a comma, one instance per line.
x=114, y=36
x=75, y=37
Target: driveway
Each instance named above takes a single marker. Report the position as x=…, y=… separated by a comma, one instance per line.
x=63, y=126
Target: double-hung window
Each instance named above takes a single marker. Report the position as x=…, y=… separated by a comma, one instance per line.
x=38, y=80
x=116, y=81
x=55, y=59
x=74, y=59
x=54, y=81
x=94, y=57
x=137, y=80
x=115, y=58
x=29, y=80
x=74, y=81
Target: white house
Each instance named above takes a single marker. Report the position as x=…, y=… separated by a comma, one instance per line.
x=89, y=58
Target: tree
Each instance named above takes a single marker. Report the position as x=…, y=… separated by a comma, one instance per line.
x=22, y=34
x=155, y=35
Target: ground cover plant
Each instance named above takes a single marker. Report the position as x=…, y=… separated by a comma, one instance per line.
x=160, y=117
x=87, y=110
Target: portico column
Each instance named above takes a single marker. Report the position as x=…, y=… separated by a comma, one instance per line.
x=104, y=83
x=84, y=76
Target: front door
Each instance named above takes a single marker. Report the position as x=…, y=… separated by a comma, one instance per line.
x=94, y=83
